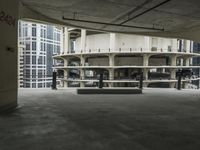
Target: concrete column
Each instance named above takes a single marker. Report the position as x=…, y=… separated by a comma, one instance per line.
x=83, y=40
x=113, y=41
x=82, y=74
x=66, y=62
x=8, y=56
x=111, y=60
x=174, y=43
x=187, y=46
x=111, y=77
x=173, y=77
x=66, y=77
x=66, y=40
x=82, y=77
x=173, y=60
x=163, y=70
x=172, y=85
x=145, y=74
x=187, y=61
x=82, y=61
x=173, y=73
x=185, y=84
x=146, y=60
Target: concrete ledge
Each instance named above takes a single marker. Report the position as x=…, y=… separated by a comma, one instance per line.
x=108, y=91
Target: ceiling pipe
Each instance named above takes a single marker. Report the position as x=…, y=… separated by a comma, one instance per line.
x=112, y=24
x=150, y=9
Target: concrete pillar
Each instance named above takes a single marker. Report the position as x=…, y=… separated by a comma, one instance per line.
x=8, y=56
x=145, y=84
x=82, y=61
x=187, y=61
x=65, y=78
x=111, y=77
x=82, y=74
x=111, y=60
x=83, y=40
x=113, y=41
x=146, y=60
x=185, y=84
x=173, y=74
x=82, y=84
x=82, y=77
x=187, y=46
x=66, y=40
x=173, y=77
x=174, y=44
x=173, y=60
x=172, y=85
x=145, y=74
x=66, y=62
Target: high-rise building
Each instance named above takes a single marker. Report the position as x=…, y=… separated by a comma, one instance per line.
x=40, y=42
x=196, y=62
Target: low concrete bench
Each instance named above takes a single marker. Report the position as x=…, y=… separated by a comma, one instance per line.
x=108, y=91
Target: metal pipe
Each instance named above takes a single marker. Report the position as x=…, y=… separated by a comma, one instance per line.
x=144, y=12
x=111, y=24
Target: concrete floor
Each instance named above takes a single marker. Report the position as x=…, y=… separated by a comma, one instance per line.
x=159, y=119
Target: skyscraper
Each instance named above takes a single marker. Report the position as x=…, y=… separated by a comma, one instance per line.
x=41, y=43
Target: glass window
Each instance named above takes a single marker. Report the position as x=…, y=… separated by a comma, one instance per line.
x=27, y=46
x=40, y=60
x=27, y=85
x=33, y=85
x=39, y=85
x=27, y=59
x=33, y=60
x=39, y=73
x=34, y=31
x=34, y=46
x=33, y=73
x=27, y=73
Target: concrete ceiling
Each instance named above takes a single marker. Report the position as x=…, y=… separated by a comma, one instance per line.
x=168, y=18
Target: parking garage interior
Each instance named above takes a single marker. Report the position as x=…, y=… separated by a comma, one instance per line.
x=160, y=118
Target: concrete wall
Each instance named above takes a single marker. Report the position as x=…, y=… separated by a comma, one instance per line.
x=8, y=56
x=126, y=41
x=94, y=42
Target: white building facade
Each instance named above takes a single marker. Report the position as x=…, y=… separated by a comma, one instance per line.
x=122, y=57
x=41, y=43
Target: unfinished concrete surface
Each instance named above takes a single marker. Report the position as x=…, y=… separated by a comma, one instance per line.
x=159, y=119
